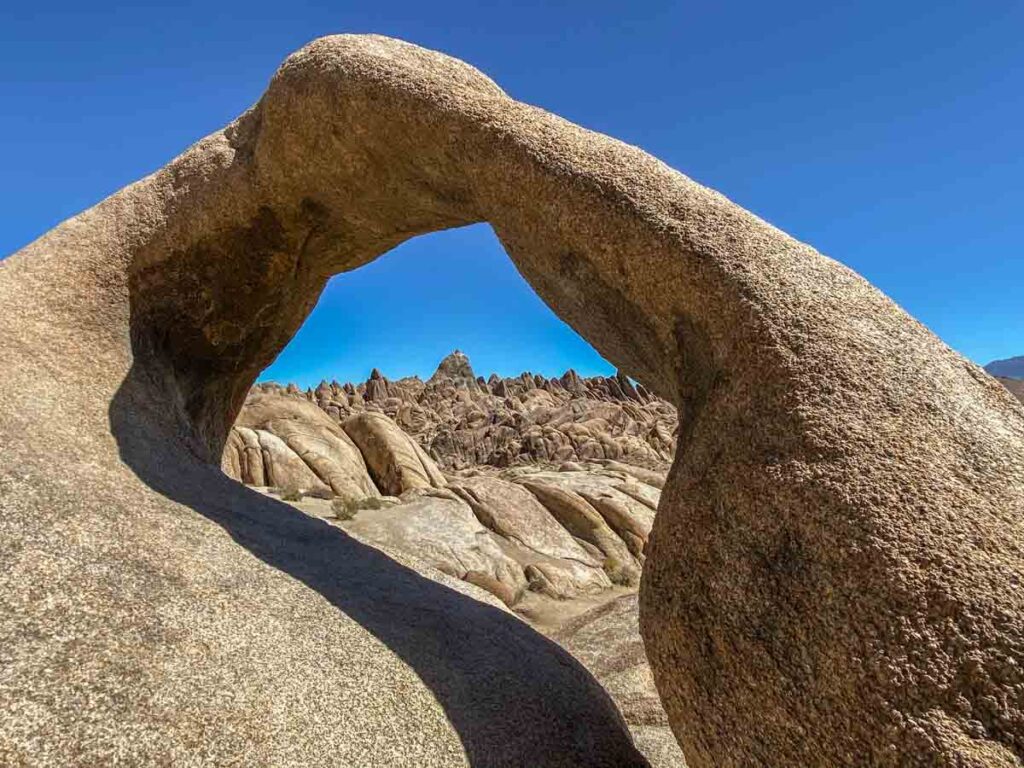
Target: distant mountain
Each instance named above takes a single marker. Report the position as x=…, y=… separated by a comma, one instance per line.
x=1011, y=368
x=1016, y=386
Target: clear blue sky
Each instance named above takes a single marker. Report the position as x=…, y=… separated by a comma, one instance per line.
x=888, y=135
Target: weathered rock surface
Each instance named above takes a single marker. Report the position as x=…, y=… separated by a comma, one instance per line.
x=833, y=576
x=578, y=517
x=492, y=533
x=627, y=504
x=554, y=562
x=462, y=421
x=606, y=639
x=440, y=529
x=527, y=542
x=284, y=467
x=300, y=434
x=396, y=461
x=486, y=530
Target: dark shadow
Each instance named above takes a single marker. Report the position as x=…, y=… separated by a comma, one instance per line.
x=509, y=692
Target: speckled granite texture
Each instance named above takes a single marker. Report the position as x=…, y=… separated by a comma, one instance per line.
x=833, y=578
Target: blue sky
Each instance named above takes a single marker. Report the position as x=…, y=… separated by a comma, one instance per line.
x=888, y=135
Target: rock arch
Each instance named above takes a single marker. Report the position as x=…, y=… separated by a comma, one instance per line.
x=835, y=572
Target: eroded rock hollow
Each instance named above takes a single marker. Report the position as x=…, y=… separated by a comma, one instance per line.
x=834, y=573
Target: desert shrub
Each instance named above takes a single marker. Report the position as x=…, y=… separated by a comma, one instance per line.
x=291, y=493
x=620, y=573
x=346, y=509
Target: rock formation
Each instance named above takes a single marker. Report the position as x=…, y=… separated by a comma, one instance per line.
x=396, y=461
x=833, y=576
x=554, y=562
x=463, y=421
x=607, y=641
x=562, y=534
x=488, y=530
x=298, y=448
x=547, y=541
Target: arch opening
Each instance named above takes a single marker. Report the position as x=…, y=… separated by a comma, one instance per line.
x=576, y=576
x=408, y=309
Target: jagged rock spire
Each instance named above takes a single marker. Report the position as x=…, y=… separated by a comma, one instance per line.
x=377, y=387
x=457, y=368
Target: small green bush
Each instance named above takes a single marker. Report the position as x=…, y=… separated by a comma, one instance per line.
x=346, y=509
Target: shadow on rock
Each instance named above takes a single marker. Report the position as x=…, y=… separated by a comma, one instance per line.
x=509, y=692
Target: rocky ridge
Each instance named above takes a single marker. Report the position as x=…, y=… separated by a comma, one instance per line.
x=463, y=420
x=1016, y=386
x=462, y=473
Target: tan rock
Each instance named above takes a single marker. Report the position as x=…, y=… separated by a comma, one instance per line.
x=606, y=639
x=250, y=457
x=637, y=501
x=512, y=512
x=833, y=577
x=648, y=476
x=440, y=529
x=632, y=529
x=321, y=444
x=462, y=422
x=395, y=460
x=504, y=592
x=583, y=521
x=232, y=458
x=285, y=468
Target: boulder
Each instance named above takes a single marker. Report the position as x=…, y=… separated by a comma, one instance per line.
x=456, y=368
x=536, y=537
x=285, y=469
x=461, y=421
x=243, y=457
x=232, y=458
x=395, y=460
x=648, y=476
x=323, y=446
x=440, y=529
x=584, y=522
x=627, y=505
